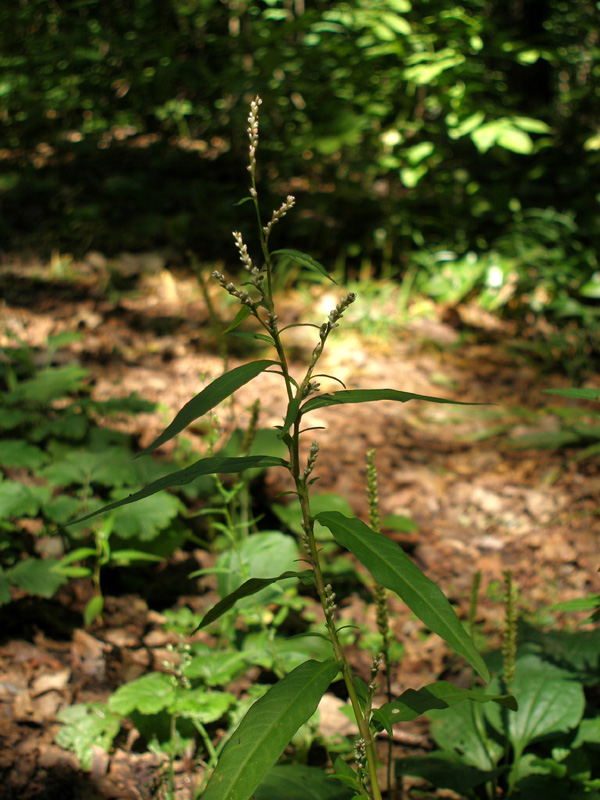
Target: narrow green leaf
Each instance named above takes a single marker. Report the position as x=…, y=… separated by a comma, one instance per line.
x=292, y=413
x=242, y=314
x=215, y=393
x=305, y=260
x=76, y=555
x=412, y=704
x=93, y=609
x=242, y=201
x=250, y=587
x=584, y=393
x=392, y=568
x=266, y=730
x=124, y=557
x=206, y=466
x=368, y=395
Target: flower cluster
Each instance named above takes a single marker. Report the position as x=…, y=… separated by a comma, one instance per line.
x=360, y=754
x=229, y=287
x=312, y=457
x=253, y=136
x=330, y=605
x=310, y=388
x=281, y=212
x=256, y=274
x=377, y=661
x=332, y=322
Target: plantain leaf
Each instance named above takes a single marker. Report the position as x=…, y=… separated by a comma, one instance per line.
x=368, y=395
x=392, y=568
x=250, y=587
x=266, y=730
x=412, y=704
x=305, y=260
x=206, y=466
x=216, y=392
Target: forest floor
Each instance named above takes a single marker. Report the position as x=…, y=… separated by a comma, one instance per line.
x=479, y=499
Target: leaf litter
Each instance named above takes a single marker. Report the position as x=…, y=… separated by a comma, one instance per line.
x=477, y=502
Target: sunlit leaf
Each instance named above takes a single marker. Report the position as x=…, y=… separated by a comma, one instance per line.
x=412, y=704
x=247, y=589
x=392, y=568
x=215, y=393
x=242, y=314
x=206, y=466
x=149, y=694
x=370, y=395
x=200, y=705
x=515, y=140
x=37, y=576
x=85, y=726
x=549, y=702
x=305, y=260
x=584, y=393
x=266, y=730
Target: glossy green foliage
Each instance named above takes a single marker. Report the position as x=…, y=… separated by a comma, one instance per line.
x=544, y=743
x=205, y=466
x=69, y=463
x=220, y=389
x=440, y=695
x=248, y=589
x=267, y=728
x=391, y=567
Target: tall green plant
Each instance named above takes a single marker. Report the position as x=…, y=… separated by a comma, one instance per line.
x=272, y=721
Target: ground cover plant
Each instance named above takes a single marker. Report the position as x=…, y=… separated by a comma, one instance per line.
x=52, y=442
x=271, y=722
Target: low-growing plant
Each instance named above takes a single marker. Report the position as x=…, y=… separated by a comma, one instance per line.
x=53, y=442
x=246, y=761
x=548, y=746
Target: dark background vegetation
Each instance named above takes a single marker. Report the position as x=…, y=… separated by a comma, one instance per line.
x=466, y=127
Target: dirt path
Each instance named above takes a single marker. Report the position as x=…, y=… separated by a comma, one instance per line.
x=479, y=504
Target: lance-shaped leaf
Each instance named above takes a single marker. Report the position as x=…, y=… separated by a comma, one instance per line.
x=242, y=314
x=412, y=704
x=368, y=395
x=206, y=466
x=250, y=587
x=266, y=730
x=305, y=260
x=292, y=413
x=583, y=393
x=392, y=568
x=215, y=393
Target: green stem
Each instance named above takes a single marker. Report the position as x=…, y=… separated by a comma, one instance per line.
x=308, y=526
x=293, y=443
